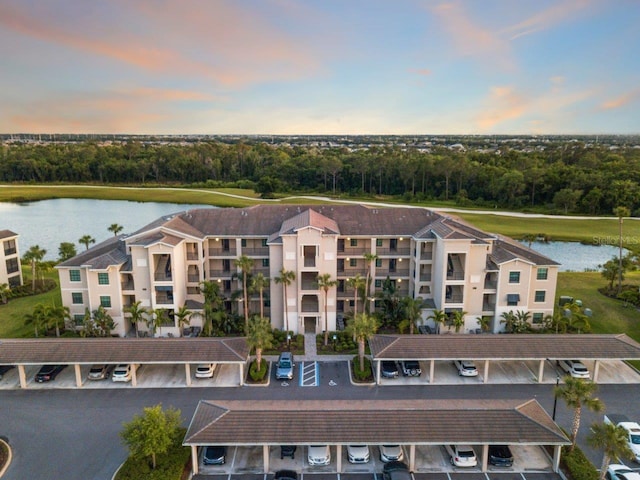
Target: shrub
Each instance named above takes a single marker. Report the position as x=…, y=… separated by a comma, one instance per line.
x=361, y=375
x=578, y=465
x=258, y=375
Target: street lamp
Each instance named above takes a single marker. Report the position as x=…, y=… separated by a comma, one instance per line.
x=289, y=341
x=555, y=398
x=335, y=341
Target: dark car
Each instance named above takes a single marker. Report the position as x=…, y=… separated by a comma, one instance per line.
x=214, y=455
x=287, y=451
x=389, y=369
x=411, y=368
x=285, y=475
x=4, y=369
x=49, y=372
x=500, y=456
x=396, y=471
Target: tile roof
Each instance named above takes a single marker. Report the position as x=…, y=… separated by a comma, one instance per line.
x=7, y=234
x=309, y=218
x=111, y=250
x=505, y=249
x=123, y=350
x=420, y=422
x=504, y=347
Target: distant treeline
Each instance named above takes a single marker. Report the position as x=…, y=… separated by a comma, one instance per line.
x=570, y=177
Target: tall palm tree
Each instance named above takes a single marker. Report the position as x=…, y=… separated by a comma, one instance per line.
x=245, y=264
x=259, y=336
x=612, y=439
x=57, y=316
x=438, y=317
x=259, y=282
x=458, y=320
x=34, y=255
x=37, y=318
x=115, y=228
x=577, y=393
x=286, y=278
x=509, y=319
x=363, y=327
x=325, y=282
x=66, y=250
x=86, y=240
x=157, y=318
x=412, y=311
x=137, y=313
x=183, y=315
x=369, y=259
x=357, y=283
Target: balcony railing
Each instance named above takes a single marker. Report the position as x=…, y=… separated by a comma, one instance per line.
x=255, y=251
x=402, y=251
x=398, y=272
x=455, y=275
x=425, y=277
x=490, y=285
x=164, y=299
x=488, y=306
x=220, y=273
x=192, y=255
x=310, y=308
x=352, y=272
x=128, y=285
x=193, y=278
x=455, y=298
x=221, y=252
x=353, y=251
x=426, y=255
x=162, y=276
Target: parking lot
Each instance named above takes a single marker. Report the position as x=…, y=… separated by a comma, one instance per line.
x=378, y=476
x=429, y=459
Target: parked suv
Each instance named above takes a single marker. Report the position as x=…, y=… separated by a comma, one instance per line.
x=284, y=367
x=466, y=368
x=574, y=368
x=49, y=372
x=122, y=373
x=411, y=368
x=396, y=471
x=500, y=456
x=462, y=455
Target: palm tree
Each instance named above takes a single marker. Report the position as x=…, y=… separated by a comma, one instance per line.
x=66, y=250
x=357, y=283
x=183, y=315
x=523, y=320
x=612, y=439
x=245, y=264
x=458, y=320
x=34, y=255
x=286, y=278
x=259, y=282
x=157, y=319
x=577, y=393
x=620, y=212
x=137, y=313
x=369, y=259
x=259, y=336
x=325, y=282
x=509, y=319
x=56, y=316
x=37, y=318
x=86, y=240
x=4, y=292
x=438, y=317
x=483, y=323
x=115, y=228
x=103, y=322
x=363, y=327
x=412, y=311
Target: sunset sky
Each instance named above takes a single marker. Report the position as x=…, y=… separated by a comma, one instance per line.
x=320, y=66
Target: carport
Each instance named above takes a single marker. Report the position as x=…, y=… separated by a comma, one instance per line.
x=411, y=423
x=134, y=351
x=506, y=347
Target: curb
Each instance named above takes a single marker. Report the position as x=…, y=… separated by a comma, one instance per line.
x=359, y=384
x=3, y=469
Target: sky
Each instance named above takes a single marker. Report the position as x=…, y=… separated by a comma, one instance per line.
x=320, y=67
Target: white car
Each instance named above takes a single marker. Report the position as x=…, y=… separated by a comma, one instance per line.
x=574, y=368
x=358, y=453
x=617, y=471
x=205, y=370
x=319, y=455
x=462, y=455
x=122, y=373
x=466, y=368
x=391, y=453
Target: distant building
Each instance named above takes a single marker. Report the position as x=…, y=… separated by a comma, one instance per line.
x=10, y=268
x=449, y=264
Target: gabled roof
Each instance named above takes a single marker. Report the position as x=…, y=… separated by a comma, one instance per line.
x=504, y=347
x=7, y=234
x=419, y=422
x=111, y=252
x=506, y=250
x=309, y=218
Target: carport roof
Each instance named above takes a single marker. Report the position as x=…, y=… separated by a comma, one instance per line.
x=123, y=350
x=504, y=347
x=420, y=422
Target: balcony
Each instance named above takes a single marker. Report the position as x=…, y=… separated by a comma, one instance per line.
x=454, y=298
x=255, y=251
x=164, y=298
x=162, y=276
x=353, y=251
x=310, y=304
x=193, y=278
x=425, y=277
x=192, y=255
x=222, y=252
x=455, y=275
x=490, y=284
x=352, y=272
x=488, y=306
x=127, y=285
x=220, y=273
x=392, y=272
x=393, y=252
x=426, y=255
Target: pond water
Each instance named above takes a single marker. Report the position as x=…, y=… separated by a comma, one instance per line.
x=574, y=256
x=48, y=223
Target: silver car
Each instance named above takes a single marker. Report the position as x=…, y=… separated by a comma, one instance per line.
x=284, y=367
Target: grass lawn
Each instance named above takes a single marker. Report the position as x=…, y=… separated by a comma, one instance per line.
x=12, y=314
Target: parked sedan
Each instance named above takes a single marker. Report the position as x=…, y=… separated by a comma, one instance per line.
x=284, y=366
x=391, y=453
x=49, y=372
x=99, y=372
x=4, y=369
x=574, y=368
x=618, y=471
x=389, y=369
x=285, y=475
x=466, y=368
x=358, y=453
x=411, y=368
x=288, y=451
x=319, y=455
x=122, y=373
x=214, y=455
x=462, y=455
x=396, y=471
x=500, y=456
x=205, y=370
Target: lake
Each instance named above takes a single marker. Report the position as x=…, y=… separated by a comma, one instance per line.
x=48, y=223
x=576, y=257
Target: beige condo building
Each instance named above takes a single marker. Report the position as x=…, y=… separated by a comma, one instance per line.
x=449, y=264
x=10, y=268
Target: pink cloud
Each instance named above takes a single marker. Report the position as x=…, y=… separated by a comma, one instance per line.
x=558, y=13
x=623, y=100
x=425, y=72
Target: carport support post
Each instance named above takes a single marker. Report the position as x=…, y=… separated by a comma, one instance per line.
x=76, y=367
x=187, y=372
x=265, y=458
x=485, y=456
x=486, y=371
x=556, y=457
x=596, y=370
x=339, y=458
x=540, y=371
x=412, y=457
x=134, y=375
x=241, y=366
x=23, y=376
x=378, y=379
x=194, y=459
x=432, y=368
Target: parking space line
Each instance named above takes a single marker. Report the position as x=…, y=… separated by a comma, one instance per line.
x=309, y=374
